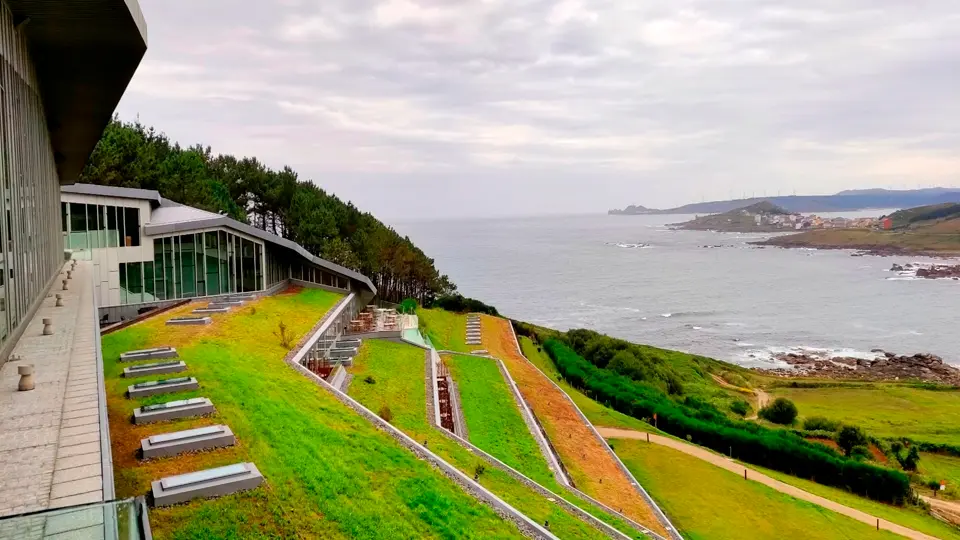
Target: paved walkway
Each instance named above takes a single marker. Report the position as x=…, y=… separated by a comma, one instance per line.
x=50, y=436
x=732, y=466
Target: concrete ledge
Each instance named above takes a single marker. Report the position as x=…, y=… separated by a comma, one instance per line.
x=158, y=368
x=241, y=298
x=203, y=484
x=225, y=304
x=191, y=440
x=173, y=410
x=342, y=353
x=187, y=321
x=166, y=386
x=211, y=310
x=158, y=353
x=385, y=334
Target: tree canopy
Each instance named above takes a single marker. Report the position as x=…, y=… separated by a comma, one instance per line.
x=135, y=156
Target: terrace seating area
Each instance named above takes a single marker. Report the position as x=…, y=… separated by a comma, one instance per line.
x=184, y=487
x=374, y=319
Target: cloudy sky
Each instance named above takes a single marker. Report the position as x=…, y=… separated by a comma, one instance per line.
x=495, y=107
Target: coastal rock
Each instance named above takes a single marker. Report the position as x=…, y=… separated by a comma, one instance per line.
x=886, y=367
x=939, y=272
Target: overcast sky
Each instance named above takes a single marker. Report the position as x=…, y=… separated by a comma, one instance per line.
x=497, y=107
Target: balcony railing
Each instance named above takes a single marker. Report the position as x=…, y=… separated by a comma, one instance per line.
x=113, y=520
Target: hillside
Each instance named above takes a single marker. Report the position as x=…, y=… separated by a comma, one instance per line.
x=926, y=230
x=845, y=201
x=135, y=156
x=758, y=217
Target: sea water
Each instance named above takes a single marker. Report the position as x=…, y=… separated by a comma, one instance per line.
x=708, y=293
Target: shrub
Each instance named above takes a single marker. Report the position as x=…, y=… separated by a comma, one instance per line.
x=285, y=335
x=369, y=379
x=386, y=414
x=850, y=437
x=860, y=452
x=910, y=462
x=820, y=423
x=479, y=470
x=408, y=306
x=459, y=304
x=773, y=448
x=740, y=407
x=781, y=411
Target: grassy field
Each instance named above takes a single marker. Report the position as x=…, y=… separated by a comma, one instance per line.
x=329, y=473
x=908, y=516
x=706, y=502
x=884, y=410
x=398, y=372
x=493, y=419
x=941, y=468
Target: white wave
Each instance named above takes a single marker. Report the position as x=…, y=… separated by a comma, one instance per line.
x=666, y=315
x=697, y=328
x=903, y=278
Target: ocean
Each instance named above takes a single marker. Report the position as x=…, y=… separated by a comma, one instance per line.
x=707, y=293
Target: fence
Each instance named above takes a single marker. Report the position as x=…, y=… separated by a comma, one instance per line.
x=331, y=329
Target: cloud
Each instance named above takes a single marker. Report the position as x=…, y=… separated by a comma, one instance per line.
x=662, y=103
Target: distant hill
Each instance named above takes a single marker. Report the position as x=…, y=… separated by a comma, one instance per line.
x=633, y=210
x=756, y=217
x=845, y=201
x=925, y=216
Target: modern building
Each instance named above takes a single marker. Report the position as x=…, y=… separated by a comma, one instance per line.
x=148, y=251
x=65, y=66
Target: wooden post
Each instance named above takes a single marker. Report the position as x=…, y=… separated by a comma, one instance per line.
x=648, y=437
x=878, y=524
x=744, y=474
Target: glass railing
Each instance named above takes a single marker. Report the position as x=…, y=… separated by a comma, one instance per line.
x=114, y=520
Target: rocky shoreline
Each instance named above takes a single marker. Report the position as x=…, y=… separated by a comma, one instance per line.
x=928, y=271
x=886, y=366
x=859, y=250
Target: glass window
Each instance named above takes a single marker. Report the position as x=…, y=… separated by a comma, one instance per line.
x=258, y=262
x=225, y=268
x=113, y=231
x=93, y=226
x=134, y=283
x=232, y=263
x=131, y=225
x=212, y=261
x=63, y=216
x=148, y=286
x=249, y=266
x=78, y=227
x=168, y=268
x=123, y=283
x=158, y=269
x=187, y=277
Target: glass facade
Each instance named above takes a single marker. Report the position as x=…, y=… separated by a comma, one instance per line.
x=31, y=247
x=89, y=226
x=191, y=265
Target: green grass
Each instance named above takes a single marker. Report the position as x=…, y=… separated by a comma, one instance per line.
x=884, y=410
x=493, y=419
x=706, y=502
x=908, y=516
x=446, y=330
x=329, y=473
x=398, y=371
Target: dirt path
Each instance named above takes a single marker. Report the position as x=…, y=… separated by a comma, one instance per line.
x=732, y=466
x=948, y=510
x=763, y=398
x=593, y=469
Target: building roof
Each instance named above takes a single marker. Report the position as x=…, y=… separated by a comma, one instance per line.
x=111, y=191
x=85, y=53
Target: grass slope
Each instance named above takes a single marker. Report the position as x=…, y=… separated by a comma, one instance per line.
x=398, y=372
x=493, y=420
x=706, y=502
x=908, y=516
x=884, y=410
x=445, y=329
x=941, y=468
x=939, y=238
x=329, y=473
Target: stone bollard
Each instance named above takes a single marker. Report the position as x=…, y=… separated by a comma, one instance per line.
x=65, y=285
x=59, y=300
x=26, y=378
x=69, y=274
x=48, y=327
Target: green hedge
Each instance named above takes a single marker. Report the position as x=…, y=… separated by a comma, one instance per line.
x=750, y=442
x=460, y=304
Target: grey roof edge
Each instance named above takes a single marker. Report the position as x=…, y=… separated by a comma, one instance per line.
x=112, y=191
x=223, y=221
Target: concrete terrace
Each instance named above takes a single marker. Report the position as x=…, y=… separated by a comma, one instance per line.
x=50, y=437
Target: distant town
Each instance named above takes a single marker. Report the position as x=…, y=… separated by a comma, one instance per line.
x=767, y=217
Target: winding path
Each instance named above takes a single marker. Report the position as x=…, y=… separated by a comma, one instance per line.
x=734, y=467
x=763, y=398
